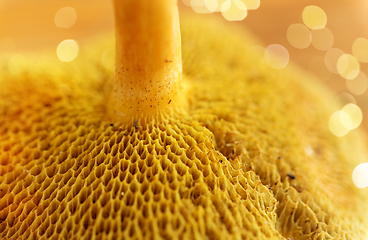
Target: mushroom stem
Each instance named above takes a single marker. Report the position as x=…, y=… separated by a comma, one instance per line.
x=148, y=57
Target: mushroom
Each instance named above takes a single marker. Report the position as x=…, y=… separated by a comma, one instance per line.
x=227, y=149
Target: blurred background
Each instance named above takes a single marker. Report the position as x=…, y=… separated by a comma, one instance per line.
x=328, y=39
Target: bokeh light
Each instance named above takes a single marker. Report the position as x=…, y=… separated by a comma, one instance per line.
x=65, y=17
x=345, y=120
x=339, y=123
x=348, y=66
x=343, y=99
x=67, y=50
x=299, y=36
x=360, y=49
x=252, y=4
x=17, y=64
x=358, y=85
x=360, y=175
x=331, y=58
x=276, y=56
x=314, y=17
x=219, y=4
x=322, y=39
x=355, y=114
x=204, y=6
x=233, y=10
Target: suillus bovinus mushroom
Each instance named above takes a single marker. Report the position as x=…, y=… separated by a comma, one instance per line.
x=228, y=148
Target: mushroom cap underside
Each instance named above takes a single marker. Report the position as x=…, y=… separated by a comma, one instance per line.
x=248, y=155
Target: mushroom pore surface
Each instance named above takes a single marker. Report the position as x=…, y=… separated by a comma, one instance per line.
x=248, y=155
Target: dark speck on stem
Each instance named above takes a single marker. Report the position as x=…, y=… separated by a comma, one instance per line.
x=291, y=176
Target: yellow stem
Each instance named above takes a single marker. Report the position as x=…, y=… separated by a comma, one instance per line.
x=148, y=57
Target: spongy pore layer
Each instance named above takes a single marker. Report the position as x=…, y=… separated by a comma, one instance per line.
x=249, y=157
